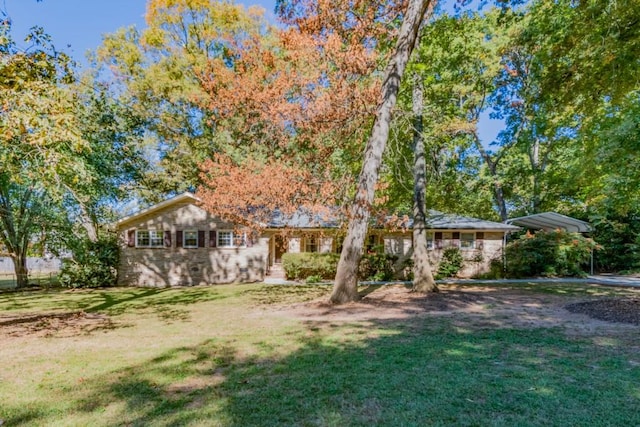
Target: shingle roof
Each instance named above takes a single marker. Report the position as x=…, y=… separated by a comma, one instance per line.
x=442, y=221
x=437, y=221
x=304, y=219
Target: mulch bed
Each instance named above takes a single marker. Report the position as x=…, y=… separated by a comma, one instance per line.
x=619, y=310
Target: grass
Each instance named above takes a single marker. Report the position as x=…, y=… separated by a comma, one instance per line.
x=220, y=356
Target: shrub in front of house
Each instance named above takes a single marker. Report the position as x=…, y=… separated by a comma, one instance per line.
x=549, y=253
x=94, y=264
x=450, y=264
x=300, y=266
x=376, y=265
x=495, y=272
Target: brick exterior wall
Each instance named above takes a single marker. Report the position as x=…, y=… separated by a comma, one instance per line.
x=476, y=261
x=177, y=266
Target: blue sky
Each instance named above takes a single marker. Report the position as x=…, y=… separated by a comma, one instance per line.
x=77, y=26
x=81, y=23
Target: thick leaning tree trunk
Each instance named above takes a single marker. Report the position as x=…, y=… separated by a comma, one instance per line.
x=345, y=288
x=422, y=276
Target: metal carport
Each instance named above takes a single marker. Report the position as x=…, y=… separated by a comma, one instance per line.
x=551, y=221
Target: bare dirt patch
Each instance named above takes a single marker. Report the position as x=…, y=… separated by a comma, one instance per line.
x=63, y=324
x=618, y=310
x=479, y=306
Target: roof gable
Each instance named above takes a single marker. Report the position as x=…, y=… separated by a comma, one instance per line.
x=174, y=201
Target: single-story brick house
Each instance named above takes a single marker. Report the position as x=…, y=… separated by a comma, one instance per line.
x=178, y=243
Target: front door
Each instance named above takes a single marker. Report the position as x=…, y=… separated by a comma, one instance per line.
x=280, y=248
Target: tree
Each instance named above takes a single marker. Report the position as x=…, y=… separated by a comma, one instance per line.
x=422, y=276
x=114, y=163
x=63, y=161
x=39, y=141
x=21, y=218
x=345, y=287
x=297, y=102
x=565, y=64
x=460, y=61
x=588, y=48
x=161, y=74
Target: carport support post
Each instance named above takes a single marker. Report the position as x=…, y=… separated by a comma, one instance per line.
x=504, y=252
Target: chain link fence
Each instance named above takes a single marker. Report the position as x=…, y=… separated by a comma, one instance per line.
x=35, y=278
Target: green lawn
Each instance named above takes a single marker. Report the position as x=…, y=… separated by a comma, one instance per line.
x=234, y=356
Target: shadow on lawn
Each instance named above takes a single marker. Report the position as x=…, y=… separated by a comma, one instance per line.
x=424, y=373
x=85, y=311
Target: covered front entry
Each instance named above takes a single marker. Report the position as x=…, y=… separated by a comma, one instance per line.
x=279, y=248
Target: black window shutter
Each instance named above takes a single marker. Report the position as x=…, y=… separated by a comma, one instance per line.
x=167, y=239
x=131, y=238
x=456, y=235
x=201, y=238
x=213, y=239
x=480, y=235
x=179, y=239
x=480, y=240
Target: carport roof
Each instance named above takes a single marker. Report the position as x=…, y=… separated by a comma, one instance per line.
x=551, y=221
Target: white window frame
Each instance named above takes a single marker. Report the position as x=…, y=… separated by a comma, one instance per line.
x=184, y=239
x=472, y=241
x=242, y=237
x=155, y=237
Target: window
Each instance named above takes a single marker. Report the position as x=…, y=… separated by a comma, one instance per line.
x=467, y=240
x=230, y=239
x=311, y=244
x=150, y=238
x=190, y=239
x=430, y=243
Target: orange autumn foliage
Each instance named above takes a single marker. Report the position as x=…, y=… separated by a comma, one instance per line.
x=296, y=98
x=249, y=193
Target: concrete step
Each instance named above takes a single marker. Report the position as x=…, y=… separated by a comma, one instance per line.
x=276, y=271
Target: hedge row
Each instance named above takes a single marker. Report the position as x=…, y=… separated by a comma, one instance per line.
x=302, y=266
x=307, y=264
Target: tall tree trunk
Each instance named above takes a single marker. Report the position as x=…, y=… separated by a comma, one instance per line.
x=492, y=165
x=422, y=275
x=345, y=288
